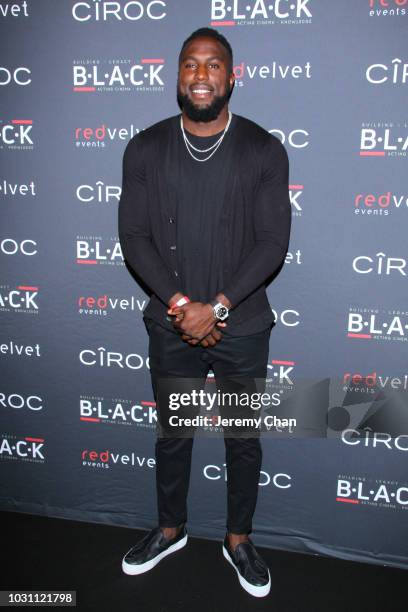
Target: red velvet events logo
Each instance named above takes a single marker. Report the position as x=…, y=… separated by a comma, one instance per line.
x=100, y=136
x=105, y=459
x=377, y=204
x=387, y=8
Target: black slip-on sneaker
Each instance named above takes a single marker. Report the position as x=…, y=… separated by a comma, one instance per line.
x=253, y=573
x=150, y=550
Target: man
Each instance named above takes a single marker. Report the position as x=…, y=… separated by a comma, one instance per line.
x=204, y=221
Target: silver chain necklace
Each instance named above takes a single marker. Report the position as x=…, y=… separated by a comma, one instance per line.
x=215, y=146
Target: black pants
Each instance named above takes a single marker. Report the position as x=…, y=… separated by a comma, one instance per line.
x=169, y=357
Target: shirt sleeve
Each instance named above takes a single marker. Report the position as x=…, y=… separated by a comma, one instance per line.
x=134, y=226
x=271, y=220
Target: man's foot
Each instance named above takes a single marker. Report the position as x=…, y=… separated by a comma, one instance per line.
x=253, y=573
x=151, y=549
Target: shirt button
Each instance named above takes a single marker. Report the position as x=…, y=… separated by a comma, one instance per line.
x=171, y=220
x=175, y=272
x=173, y=247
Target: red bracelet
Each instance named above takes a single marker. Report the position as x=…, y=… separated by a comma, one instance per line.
x=181, y=302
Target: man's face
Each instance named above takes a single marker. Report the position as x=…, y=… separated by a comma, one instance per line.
x=205, y=79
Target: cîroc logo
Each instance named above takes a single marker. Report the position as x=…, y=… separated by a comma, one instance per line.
x=380, y=265
x=118, y=75
x=16, y=134
x=18, y=402
x=95, y=10
x=287, y=317
x=297, y=139
x=260, y=12
x=374, y=439
x=278, y=480
x=381, y=139
x=371, y=492
x=94, y=250
x=9, y=246
x=371, y=324
x=274, y=70
x=387, y=8
x=102, y=135
x=118, y=411
x=22, y=298
x=15, y=76
x=22, y=449
x=396, y=73
x=103, y=358
x=99, y=192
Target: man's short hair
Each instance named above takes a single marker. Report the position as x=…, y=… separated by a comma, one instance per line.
x=209, y=33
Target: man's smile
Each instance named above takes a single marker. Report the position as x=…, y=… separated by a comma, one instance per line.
x=201, y=91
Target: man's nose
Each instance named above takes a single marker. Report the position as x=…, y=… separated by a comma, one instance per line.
x=202, y=72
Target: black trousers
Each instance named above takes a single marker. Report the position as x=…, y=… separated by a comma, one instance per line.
x=170, y=357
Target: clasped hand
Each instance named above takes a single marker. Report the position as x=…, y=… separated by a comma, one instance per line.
x=196, y=323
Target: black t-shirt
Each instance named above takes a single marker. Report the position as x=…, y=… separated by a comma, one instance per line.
x=199, y=223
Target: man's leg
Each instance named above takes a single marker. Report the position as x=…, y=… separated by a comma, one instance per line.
x=173, y=464
x=242, y=359
x=171, y=358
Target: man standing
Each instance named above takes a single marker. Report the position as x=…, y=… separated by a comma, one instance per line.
x=204, y=221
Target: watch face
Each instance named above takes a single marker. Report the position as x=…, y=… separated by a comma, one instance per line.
x=222, y=311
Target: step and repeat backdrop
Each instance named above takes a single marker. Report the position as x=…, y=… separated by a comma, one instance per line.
x=329, y=79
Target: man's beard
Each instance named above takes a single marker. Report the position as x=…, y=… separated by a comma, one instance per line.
x=203, y=113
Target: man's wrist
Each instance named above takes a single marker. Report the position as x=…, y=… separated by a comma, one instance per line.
x=183, y=300
x=220, y=297
x=175, y=298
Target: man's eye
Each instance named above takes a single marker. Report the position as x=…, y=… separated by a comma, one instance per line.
x=214, y=65
x=190, y=65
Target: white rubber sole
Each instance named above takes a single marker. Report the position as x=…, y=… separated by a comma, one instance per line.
x=256, y=591
x=133, y=570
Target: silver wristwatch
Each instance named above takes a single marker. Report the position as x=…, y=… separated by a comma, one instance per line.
x=220, y=311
